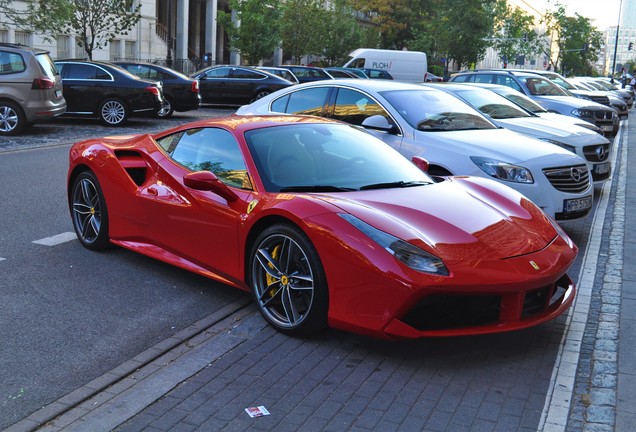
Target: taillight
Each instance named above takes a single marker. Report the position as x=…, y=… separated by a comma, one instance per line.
x=42, y=84
x=154, y=90
x=195, y=86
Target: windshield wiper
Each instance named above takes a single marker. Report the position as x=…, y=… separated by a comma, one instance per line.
x=395, y=184
x=316, y=188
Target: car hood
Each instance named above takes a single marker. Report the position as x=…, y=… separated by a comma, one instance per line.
x=561, y=119
x=500, y=144
x=567, y=133
x=570, y=101
x=502, y=222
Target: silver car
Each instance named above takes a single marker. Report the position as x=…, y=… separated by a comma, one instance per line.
x=30, y=88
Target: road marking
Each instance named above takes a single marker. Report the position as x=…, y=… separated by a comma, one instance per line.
x=57, y=239
x=556, y=409
x=2, y=259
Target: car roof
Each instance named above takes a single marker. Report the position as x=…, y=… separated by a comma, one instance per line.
x=372, y=85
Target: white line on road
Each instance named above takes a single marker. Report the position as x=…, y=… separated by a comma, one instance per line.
x=57, y=239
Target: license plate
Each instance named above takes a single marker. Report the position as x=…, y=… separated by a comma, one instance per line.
x=577, y=204
x=58, y=93
x=602, y=168
x=607, y=128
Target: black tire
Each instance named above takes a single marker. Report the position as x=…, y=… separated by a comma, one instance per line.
x=167, y=108
x=113, y=112
x=12, y=119
x=260, y=94
x=288, y=281
x=89, y=212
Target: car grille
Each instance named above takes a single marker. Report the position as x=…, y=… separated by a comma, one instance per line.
x=596, y=153
x=604, y=115
x=574, y=179
x=453, y=311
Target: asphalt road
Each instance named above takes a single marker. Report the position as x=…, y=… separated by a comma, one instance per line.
x=68, y=315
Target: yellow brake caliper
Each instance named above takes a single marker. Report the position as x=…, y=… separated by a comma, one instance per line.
x=271, y=279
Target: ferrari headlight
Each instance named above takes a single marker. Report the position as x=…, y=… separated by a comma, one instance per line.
x=560, y=144
x=503, y=170
x=410, y=255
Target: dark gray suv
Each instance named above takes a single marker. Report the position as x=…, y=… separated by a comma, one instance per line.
x=30, y=88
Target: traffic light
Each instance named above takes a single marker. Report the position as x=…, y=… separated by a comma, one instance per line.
x=630, y=46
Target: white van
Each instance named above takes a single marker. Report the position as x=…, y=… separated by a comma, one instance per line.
x=402, y=65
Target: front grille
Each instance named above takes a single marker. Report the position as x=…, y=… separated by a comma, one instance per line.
x=441, y=311
x=574, y=179
x=603, y=115
x=596, y=153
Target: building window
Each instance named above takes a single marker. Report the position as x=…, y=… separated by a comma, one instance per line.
x=79, y=48
x=114, y=48
x=23, y=38
x=130, y=49
x=4, y=36
x=63, y=47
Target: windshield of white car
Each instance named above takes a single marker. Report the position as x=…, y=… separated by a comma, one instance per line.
x=523, y=101
x=322, y=157
x=436, y=111
x=496, y=106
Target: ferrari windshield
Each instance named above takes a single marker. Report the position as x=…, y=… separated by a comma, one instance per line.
x=435, y=111
x=319, y=157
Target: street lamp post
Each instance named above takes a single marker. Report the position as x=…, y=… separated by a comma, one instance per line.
x=169, y=55
x=618, y=26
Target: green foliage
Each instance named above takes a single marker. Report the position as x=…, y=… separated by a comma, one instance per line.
x=340, y=33
x=301, y=28
x=515, y=35
x=256, y=32
x=94, y=22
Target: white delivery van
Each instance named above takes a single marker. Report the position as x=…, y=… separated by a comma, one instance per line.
x=402, y=65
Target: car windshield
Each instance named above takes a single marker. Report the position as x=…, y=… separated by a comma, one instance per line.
x=435, y=111
x=328, y=158
x=521, y=100
x=539, y=86
x=496, y=106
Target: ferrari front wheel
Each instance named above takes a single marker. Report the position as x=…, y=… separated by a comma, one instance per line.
x=288, y=281
x=89, y=212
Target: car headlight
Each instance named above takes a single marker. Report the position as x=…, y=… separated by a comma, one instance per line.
x=560, y=144
x=503, y=170
x=410, y=255
x=583, y=113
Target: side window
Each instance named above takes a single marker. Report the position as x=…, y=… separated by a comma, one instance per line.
x=222, y=72
x=354, y=107
x=245, y=74
x=11, y=63
x=309, y=101
x=101, y=74
x=483, y=78
x=80, y=71
x=508, y=82
x=209, y=149
x=462, y=78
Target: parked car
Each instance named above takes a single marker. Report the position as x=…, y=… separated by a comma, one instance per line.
x=30, y=88
x=308, y=73
x=626, y=95
x=281, y=72
x=339, y=73
x=377, y=73
x=236, y=85
x=105, y=91
x=549, y=95
x=326, y=226
x=589, y=145
x=614, y=100
x=455, y=138
x=180, y=92
x=530, y=105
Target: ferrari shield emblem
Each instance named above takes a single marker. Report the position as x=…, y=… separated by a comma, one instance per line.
x=535, y=265
x=251, y=206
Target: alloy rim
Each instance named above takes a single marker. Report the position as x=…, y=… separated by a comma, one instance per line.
x=87, y=212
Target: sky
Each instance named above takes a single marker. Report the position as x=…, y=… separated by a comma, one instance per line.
x=602, y=13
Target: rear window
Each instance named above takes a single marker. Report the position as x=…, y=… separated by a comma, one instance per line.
x=47, y=65
x=11, y=63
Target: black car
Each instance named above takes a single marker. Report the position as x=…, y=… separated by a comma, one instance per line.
x=106, y=91
x=180, y=92
x=236, y=85
x=308, y=73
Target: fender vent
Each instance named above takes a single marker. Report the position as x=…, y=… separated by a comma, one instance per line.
x=134, y=164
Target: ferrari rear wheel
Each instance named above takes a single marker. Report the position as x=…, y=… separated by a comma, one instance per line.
x=288, y=281
x=89, y=212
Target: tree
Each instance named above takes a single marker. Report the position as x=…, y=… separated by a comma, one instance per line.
x=300, y=23
x=577, y=40
x=515, y=35
x=94, y=22
x=341, y=33
x=256, y=33
x=395, y=20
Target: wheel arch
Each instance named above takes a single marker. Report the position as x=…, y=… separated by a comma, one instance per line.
x=71, y=179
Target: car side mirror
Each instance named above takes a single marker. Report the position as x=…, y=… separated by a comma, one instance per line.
x=208, y=181
x=378, y=122
x=421, y=163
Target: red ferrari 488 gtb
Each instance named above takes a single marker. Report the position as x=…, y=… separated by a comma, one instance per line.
x=326, y=226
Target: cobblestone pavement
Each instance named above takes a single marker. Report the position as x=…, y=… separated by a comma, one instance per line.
x=573, y=374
